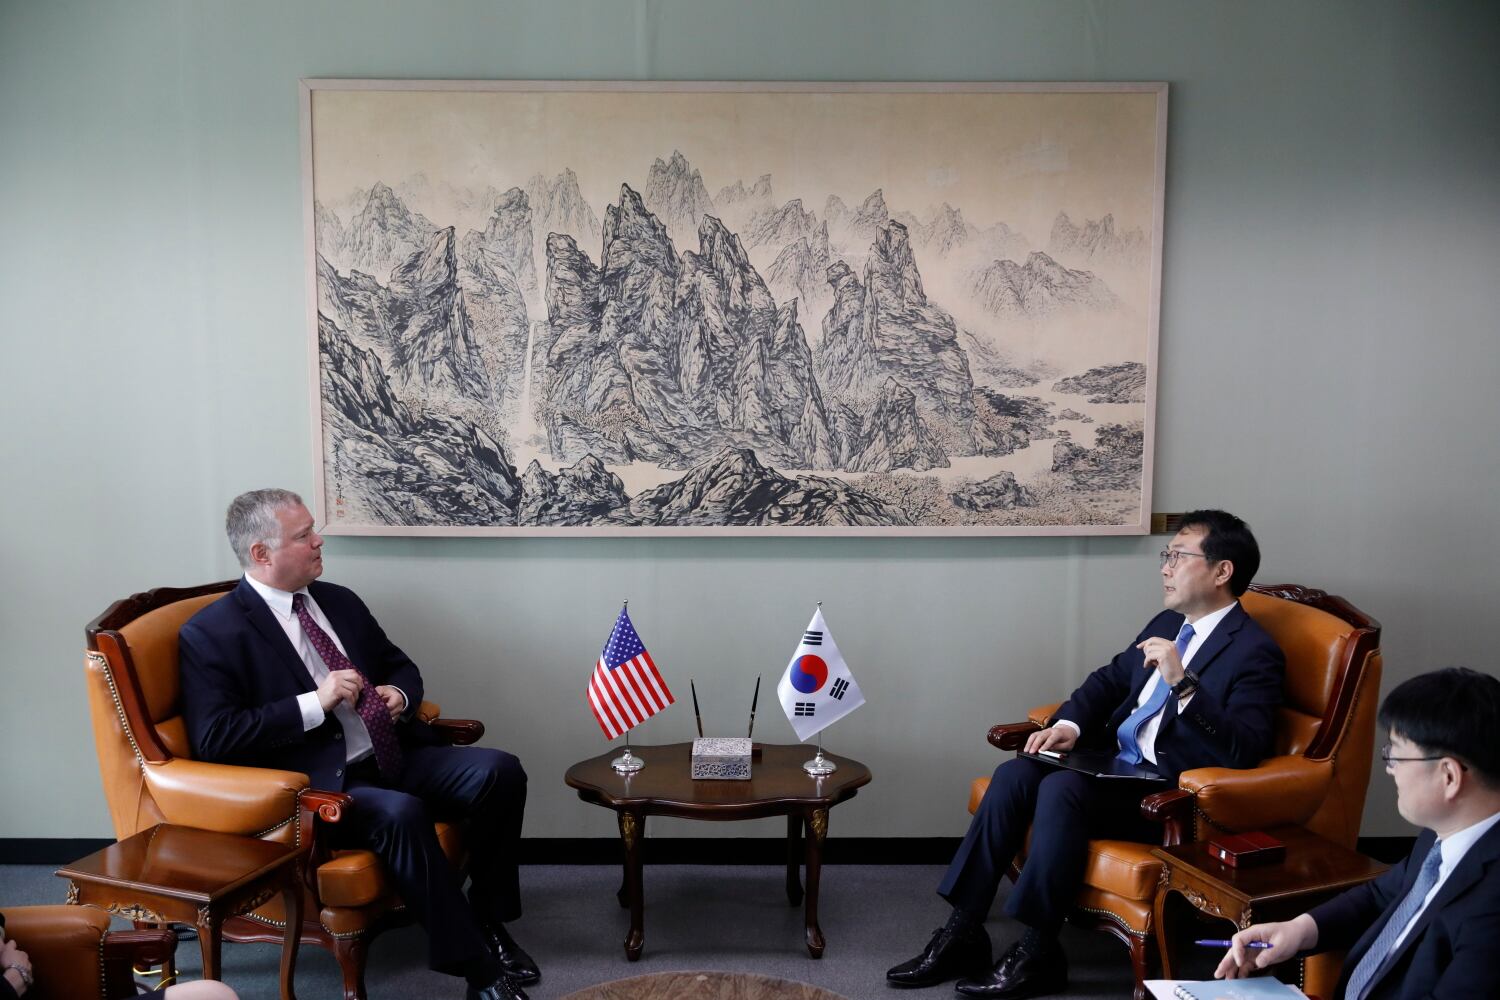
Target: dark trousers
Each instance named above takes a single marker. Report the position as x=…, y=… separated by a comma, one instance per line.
x=1065, y=810
x=481, y=787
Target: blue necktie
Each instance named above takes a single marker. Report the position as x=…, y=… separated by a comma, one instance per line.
x=1363, y=976
x=1129, y=731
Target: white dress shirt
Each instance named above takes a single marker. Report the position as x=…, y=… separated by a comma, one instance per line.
x=356, y=737
x=1453, y=847
x=1202, y=629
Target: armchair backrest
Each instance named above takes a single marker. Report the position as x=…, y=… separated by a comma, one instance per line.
x=1332, y=691
x=134, y=687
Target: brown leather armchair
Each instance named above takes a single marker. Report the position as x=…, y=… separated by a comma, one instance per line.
x=1325, y=744
x=149, y=777
x=75, y=956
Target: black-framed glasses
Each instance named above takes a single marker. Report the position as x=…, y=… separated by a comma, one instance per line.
x=1385, y=756
x=1169, y=557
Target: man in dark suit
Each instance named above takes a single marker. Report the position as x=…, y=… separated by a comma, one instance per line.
x=1429, y=926
x=1198, y=687
x=286, y=672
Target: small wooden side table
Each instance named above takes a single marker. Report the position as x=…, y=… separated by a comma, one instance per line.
x=1314, y=870
x=777, y=787
x=190, y=876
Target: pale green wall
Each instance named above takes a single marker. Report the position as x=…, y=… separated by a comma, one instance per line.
x=1328, y=364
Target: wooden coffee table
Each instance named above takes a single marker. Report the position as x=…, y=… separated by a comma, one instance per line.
x=1314, y=870
x=190, y=876
x=777, y=787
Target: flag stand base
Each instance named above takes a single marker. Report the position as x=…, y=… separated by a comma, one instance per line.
x=628, y=763
x=820, y=765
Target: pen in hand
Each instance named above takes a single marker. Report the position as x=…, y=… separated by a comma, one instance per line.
x=1221, y=943
x=695, y=707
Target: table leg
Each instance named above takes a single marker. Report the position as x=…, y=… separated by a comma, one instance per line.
x=291, y=905
x=1163, y=941
x=210, y=942
x=817, y=825
x=794, y=823
x=632, y=828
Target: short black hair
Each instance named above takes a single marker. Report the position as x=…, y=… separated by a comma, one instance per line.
x=1227, y=537
x=1454, y=712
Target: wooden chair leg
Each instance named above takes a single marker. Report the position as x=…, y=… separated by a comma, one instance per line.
x=1141, y=947
x=351, y=954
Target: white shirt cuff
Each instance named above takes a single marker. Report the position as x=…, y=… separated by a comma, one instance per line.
x=405, y=701
x=312, y=712
x=1077, y=731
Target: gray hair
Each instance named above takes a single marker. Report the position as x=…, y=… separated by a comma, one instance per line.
x=252, y=518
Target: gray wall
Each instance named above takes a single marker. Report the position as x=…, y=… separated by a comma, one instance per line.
x=1328, y=365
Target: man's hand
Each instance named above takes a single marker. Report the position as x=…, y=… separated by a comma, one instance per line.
x=11, y=954
x=339, y=685
x=395, y=701
x=1162, y=655
x=1286, y=939
x=1056, y=738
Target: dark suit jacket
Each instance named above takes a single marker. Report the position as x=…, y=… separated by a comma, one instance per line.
x=241, y=678
x=1230, y=720
x=1450, y=950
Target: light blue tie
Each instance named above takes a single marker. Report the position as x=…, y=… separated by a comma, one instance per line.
x=1129, y=731
x=1363, y=976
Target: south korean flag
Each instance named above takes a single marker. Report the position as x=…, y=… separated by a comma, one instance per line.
x=817, y=689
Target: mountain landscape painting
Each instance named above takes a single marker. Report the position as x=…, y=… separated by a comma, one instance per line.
x=733, y=308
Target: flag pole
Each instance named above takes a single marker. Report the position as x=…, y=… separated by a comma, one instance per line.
x=820, y=765
x=627, y=762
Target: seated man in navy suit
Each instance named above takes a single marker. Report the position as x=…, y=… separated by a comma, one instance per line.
x=286, y=672
x=1198, y=687
x=1429, y=926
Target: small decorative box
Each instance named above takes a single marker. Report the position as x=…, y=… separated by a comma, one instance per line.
x=722, y=758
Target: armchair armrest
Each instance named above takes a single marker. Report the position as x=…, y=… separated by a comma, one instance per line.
x=1173, y=809
x=122, y=952
x=224, y=797
x=1279, y=791
x=1012, y=735
x=63, y=945
x=317, y=804
x=455, y=732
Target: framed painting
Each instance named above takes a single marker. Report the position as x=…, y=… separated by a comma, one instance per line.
x=600, y=308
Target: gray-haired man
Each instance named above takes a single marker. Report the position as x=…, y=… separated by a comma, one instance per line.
x=288, y=672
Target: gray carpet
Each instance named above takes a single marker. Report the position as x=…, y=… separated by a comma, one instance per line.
x=697, y=917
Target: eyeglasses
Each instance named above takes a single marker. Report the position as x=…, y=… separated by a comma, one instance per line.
x=1385, y=755
x=1169, y=557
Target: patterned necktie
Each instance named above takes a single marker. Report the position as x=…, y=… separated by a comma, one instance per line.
x=1363, y=976
x=371, y=707
x=1130, y=729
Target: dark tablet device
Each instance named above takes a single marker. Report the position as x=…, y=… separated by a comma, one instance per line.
x=1099, y=763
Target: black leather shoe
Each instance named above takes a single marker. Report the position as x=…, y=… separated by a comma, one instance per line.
x=948, y=955
x=513, y=959
x=504, y=988
x=1023, y=971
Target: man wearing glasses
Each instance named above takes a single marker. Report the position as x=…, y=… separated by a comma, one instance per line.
x=1429, y=927
x=1198, y=687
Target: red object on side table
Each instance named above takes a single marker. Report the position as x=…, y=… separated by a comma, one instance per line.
x=1246, y=850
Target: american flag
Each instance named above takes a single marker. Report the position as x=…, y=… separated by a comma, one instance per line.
x=625, y=689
